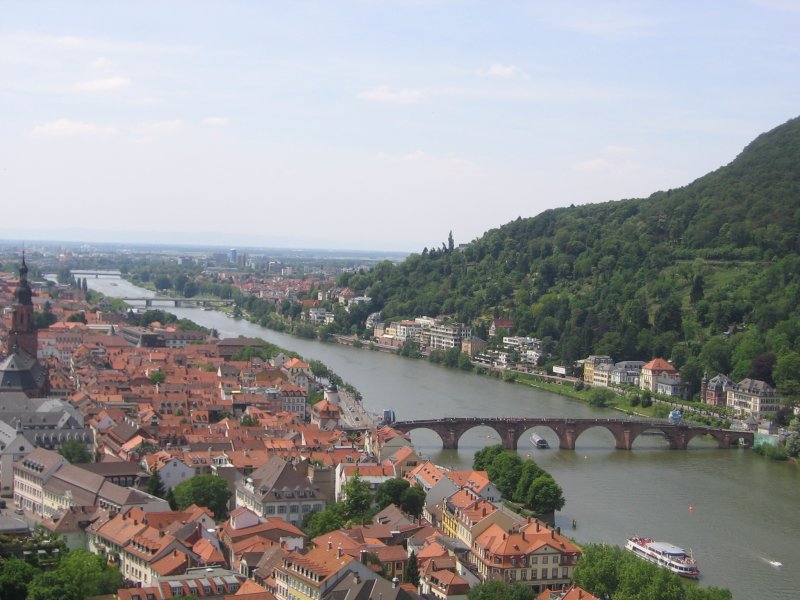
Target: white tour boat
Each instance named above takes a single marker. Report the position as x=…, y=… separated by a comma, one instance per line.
x=664, y=555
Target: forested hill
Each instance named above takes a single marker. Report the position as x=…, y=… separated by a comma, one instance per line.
x=660, y=276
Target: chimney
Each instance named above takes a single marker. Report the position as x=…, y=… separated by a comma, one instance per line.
x=522, y=531
x=363, y=557
x=339, y=552
x=356, y=579
x=537, y=526
x=330, y=544
x=552, y=534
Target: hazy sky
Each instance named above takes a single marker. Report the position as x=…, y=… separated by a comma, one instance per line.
x=370, y=124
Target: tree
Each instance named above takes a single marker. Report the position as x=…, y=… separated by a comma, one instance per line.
x=545, y=495
x=204, y=490
x=15, y=575
x=249, y=421
x=155, y=486
x=601, y=396
x=357, y=497
x=499, y=590
x=324, y=521
x=610, y=572
x=170, y=498
x=411, y=572
x=157, y=377
x=787, y=376
x=75, y=452
x=413, y=501
x=391, y=492
x=79, y=575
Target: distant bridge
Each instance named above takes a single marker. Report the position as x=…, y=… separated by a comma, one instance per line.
x=97, y=274
x=624, y=431
x=178, y=302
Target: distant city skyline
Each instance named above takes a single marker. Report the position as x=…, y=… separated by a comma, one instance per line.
x=369, y=124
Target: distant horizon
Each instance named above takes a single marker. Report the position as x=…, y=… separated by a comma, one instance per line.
x=191, y=246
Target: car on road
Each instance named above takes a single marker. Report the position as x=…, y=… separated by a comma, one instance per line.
x=19, y=511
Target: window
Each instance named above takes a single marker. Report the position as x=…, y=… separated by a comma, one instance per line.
x=294, y=508
x=533, y=573
x=282, y=509
x=544, y=560
x=270, y=510
x=564, y=573
x=534, y=560
x=555, y=573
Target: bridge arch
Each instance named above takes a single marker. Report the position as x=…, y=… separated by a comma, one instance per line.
x=530, y=428
x=621, y=440
x=725, y=439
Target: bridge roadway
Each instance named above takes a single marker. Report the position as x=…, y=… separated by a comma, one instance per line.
x=178, y=302
x=625, y=431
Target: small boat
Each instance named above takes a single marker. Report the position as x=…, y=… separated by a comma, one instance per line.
x=665, y=555
x=539, y=442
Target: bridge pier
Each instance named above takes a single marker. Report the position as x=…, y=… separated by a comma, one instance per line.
x=566, y=439
x=148, y=303
x=509, y=438
x=624, y=441
x=450, y=438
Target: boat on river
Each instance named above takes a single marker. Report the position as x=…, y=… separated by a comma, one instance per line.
x=539, y=442
x=664, y=555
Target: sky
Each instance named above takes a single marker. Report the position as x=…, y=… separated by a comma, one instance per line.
x=370, y=124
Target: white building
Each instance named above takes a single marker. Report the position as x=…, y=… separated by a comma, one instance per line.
x=753, y=398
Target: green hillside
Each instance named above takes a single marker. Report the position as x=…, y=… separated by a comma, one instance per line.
x=707, y=275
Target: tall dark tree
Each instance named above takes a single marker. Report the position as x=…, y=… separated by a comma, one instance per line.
x=155, y=486
x=411, y=572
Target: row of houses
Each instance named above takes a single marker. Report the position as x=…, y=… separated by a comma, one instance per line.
x=427, y=332
x=747, y=399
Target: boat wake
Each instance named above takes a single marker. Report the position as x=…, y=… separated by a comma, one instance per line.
x=775, y=563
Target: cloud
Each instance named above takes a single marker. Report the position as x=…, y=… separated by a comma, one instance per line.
x=216, y=121
x=619, y=150
x=102, y=85
x=95, y=44
x=779, y=5
x=154, y=129
x=383, y=93
x=604, y=20
x=594, y=165
x=67, y=127
x=505, y=71
x=101, y=63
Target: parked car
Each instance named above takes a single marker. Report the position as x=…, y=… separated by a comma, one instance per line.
x=19, y=511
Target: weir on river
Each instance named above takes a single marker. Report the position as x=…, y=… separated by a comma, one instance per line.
x=743, y=507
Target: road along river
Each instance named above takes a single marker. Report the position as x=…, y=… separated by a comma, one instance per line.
x=736, y=511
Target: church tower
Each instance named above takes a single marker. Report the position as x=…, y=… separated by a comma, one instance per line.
x=23, y=333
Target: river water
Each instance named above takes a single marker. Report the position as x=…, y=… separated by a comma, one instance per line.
x=736, y=511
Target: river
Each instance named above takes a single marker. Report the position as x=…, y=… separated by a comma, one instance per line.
x=735, y=510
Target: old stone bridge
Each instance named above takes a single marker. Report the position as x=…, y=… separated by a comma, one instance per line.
x=625, y=431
